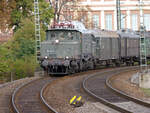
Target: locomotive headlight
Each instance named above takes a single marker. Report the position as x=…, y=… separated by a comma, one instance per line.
x=45, y=57
x=56, y=41
x=67, y=57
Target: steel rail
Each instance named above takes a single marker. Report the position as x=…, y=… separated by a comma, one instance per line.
x=107, y=103
x=14, y=94
x=134, y=99
x=44, y=101
x=16, y=110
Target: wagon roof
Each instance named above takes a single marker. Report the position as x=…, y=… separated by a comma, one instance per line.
x=105, y=33
x=147, y=34
x=128, y=33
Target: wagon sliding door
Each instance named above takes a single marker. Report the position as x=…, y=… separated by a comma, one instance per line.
x=105, y=49
x=115, y=48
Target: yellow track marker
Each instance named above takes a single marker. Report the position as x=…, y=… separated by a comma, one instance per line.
x=75, y=99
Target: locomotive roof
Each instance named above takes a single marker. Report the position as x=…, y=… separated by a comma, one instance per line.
x=62, y=29
x=147, y=34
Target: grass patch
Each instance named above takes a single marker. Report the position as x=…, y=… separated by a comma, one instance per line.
x=146, y=91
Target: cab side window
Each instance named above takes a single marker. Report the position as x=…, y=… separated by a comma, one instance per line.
x=78, y=36
x=70, y=35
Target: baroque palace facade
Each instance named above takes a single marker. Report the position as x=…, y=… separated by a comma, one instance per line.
x=102, y=14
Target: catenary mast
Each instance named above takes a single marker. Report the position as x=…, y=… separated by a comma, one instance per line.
x=37, y=29
x=143, y=59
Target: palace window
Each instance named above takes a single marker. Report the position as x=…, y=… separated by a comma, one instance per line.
x=134, y=21
x=108, y=22
x=146, y=21
x=123, y=20
x=96, y=21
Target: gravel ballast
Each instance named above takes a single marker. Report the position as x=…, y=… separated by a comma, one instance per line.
x=6, y=91
x=59, y=93
x=123, y=83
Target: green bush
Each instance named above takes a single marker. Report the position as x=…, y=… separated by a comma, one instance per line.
x=24, y=67
x=27, y=30
x=18, y=55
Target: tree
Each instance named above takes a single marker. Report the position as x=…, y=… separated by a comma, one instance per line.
x=3, y=56
x=6, y=7
x=6, y=60
x=24, y=67
x=59, y=5
x=24, y=39
x=27, y=30
x=23, y=49
x=71, y=10
x=46, y=14
x=83, y=16
x=13, y=11
x=25, y=9
x=18, y=55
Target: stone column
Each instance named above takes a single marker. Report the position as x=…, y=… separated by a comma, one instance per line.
x=128, y=19
x=115, y=19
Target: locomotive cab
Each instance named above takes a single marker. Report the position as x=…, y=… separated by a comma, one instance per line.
x=61, y=44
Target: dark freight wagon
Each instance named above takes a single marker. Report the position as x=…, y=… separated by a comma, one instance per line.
x=107, y=46
x=129, y=46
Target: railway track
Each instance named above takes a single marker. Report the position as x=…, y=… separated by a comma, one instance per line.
x=95, y=85
x=6, y=91
x=28, y=97
x=62, y=90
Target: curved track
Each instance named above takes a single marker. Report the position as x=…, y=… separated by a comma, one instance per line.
x=95, y=85
x=44, y=101
x=27, y=98
x=6, y=91
x=137, y=100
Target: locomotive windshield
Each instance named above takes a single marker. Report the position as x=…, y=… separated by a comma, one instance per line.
x=62, y=35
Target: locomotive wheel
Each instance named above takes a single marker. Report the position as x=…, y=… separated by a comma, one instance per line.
x=67, y=70
x=71, y=70
x=127, y=64
x=77, y=69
